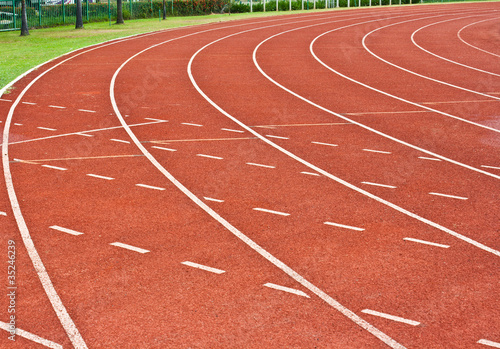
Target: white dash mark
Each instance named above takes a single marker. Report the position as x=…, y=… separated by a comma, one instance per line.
x=203, y=267
x=426, y=158
x=66, y=230
x=209, y=156
x=390, y=317
x=56, y=106
x=344, y=226
x=47, y=128
x=18, y=124
x=377, y=151
x=271, y=211
x=328, y=144
x=259, y=165
x=119, y=140
x=153, y=119
x=189, y=124
x=87, y=111
x=26, y=162
x=32, y=337
x=129, y=247
x=162, y=148
x=450, y=196
x=212, y=199
x=5, y=100
x=55, y=167
x=489, y=343
x=84, y=134
x=98, y=176
x=29, y=103
x=231, y=130
x=426, y=242
x=149, y=186
x=492, y=167
x=311, y=173
x=380, y=185
x=287, y=289
x=3, y=213
x=277, y=137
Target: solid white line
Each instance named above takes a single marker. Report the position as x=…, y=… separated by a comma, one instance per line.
x=101, y=177
x=190, y=124
x=32, y=337
x=271, y=211
x=449, y=196
x=56, y=106
x=489, y=343
x=66, y=230
x=426, y=242
x=426, y=158
x=380, y=185
x=210, y=156
x=492, y=167
x=287, y=289
x=260, y=165
x=203, y=267
x=55, y=167
x=46, y=128
x=329, y=144
x=344, y=226
x=212, y=199
x=149, y=186
x=277, y=137
x=459, y=34
x=29, y=103
x=119, y=140
x=378, y=151
x=390, y=317
x=311, y=173
x=152, y=119
x=129, y=247
x=87, y=111
x=231, y=130
x=162, y=148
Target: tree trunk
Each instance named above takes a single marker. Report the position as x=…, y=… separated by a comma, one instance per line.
x=119, y=12
x=79, y=16
x=24, y=19
x=165, y=9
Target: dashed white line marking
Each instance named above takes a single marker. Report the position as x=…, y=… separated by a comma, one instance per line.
x=427, y=158
x=46, y=128
x=190, y=124
x=98, y=176
x=344, y=226
x=260, y=165
x=5, y=100
x=287, y=289
x=311, y=173
x=31, y=336
x=212, y=199
x=87, y=111
x=489, y=343
x=380, y=185
x=203, y=267
x=426, y=242
x=271, y=211
x=119, y=140
x=328, y=144
x=55, y=167
x=66, y=230
x=56, y=106
x=149, y=186
x=231, y=130
x=377, y=151
x=26, y=162
x=277, y=137
x=450, y=196
x=492, y=167
x=3, y=213
x=153, y=119
x=162, y=148
x=84, y=134
x=390, y=317
x=17, y=124
x=210, y=156
x=29, y=103
x=129, y=247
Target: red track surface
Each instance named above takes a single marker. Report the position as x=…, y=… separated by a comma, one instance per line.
x=292, y=115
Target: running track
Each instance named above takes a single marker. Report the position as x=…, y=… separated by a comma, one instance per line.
x=337, y=172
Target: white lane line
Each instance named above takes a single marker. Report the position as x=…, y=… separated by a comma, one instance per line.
x=377, y=151
x=271, y=211
x=287, y=289
x=149, y=186
x=119, y=140
x=489, y=343
x=46, y=128
x=231, y=130
x=212, y=199
x=129, y=247
x=210, y=156
x=5, y=100
x=190, y=124
x=475, y=47
x=260, y=165
x=163, y=148
x=98, y=176
x=87, y=111
x=492, y=167
x=26, y=162
x=344, y=226
x=450, y=196
x=311, y=173
x=66, y=230
x=277, y=137
x=380, y=185
x=56, y=106
x=84, y=134
x=328, y=144
x=426, y=242
x=18, y=124
x=203, y=267
x=153, y=119
x=3, y=213
x=55, y=167
x=32, y=337
x=390, y=317
x=29, y=103
x=427, y=158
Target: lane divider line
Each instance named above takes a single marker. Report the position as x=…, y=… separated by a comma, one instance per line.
x=377, y=151
x=129, y=247
x=489, y=343
x=260, y=165
x=55, y=167
x=149, y=186
x=56, y=106
x=5, y=100
x=493, y=167
x=271, y=211
x=210, y=156
x=87, y=111
x=277, y=137
x=426, y=242
x=231, y=130
x=84, y=134
x=427, y=158
x=191, y=124
x=66, y=230
x=390, y=317
x=119, y=140
x=287, y=289
x=380, y=185
x=29, y=103
x=212, y=199
x=311, y=173
x=449, y=196
x=46, y=128
x=99, y=176
x=344, y=226
x=32, y=337
x=327, y=144
x=203, y=267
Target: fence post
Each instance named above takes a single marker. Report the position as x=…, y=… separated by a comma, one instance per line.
x=39, y=13
x=109, y=12
x=130, y=7
x=251, y=5
x=88, y=18
x=14, y=12
x=64, y=12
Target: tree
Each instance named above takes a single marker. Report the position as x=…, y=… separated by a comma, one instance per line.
x=24, y=19
x=119, y=12
x=79, y=16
